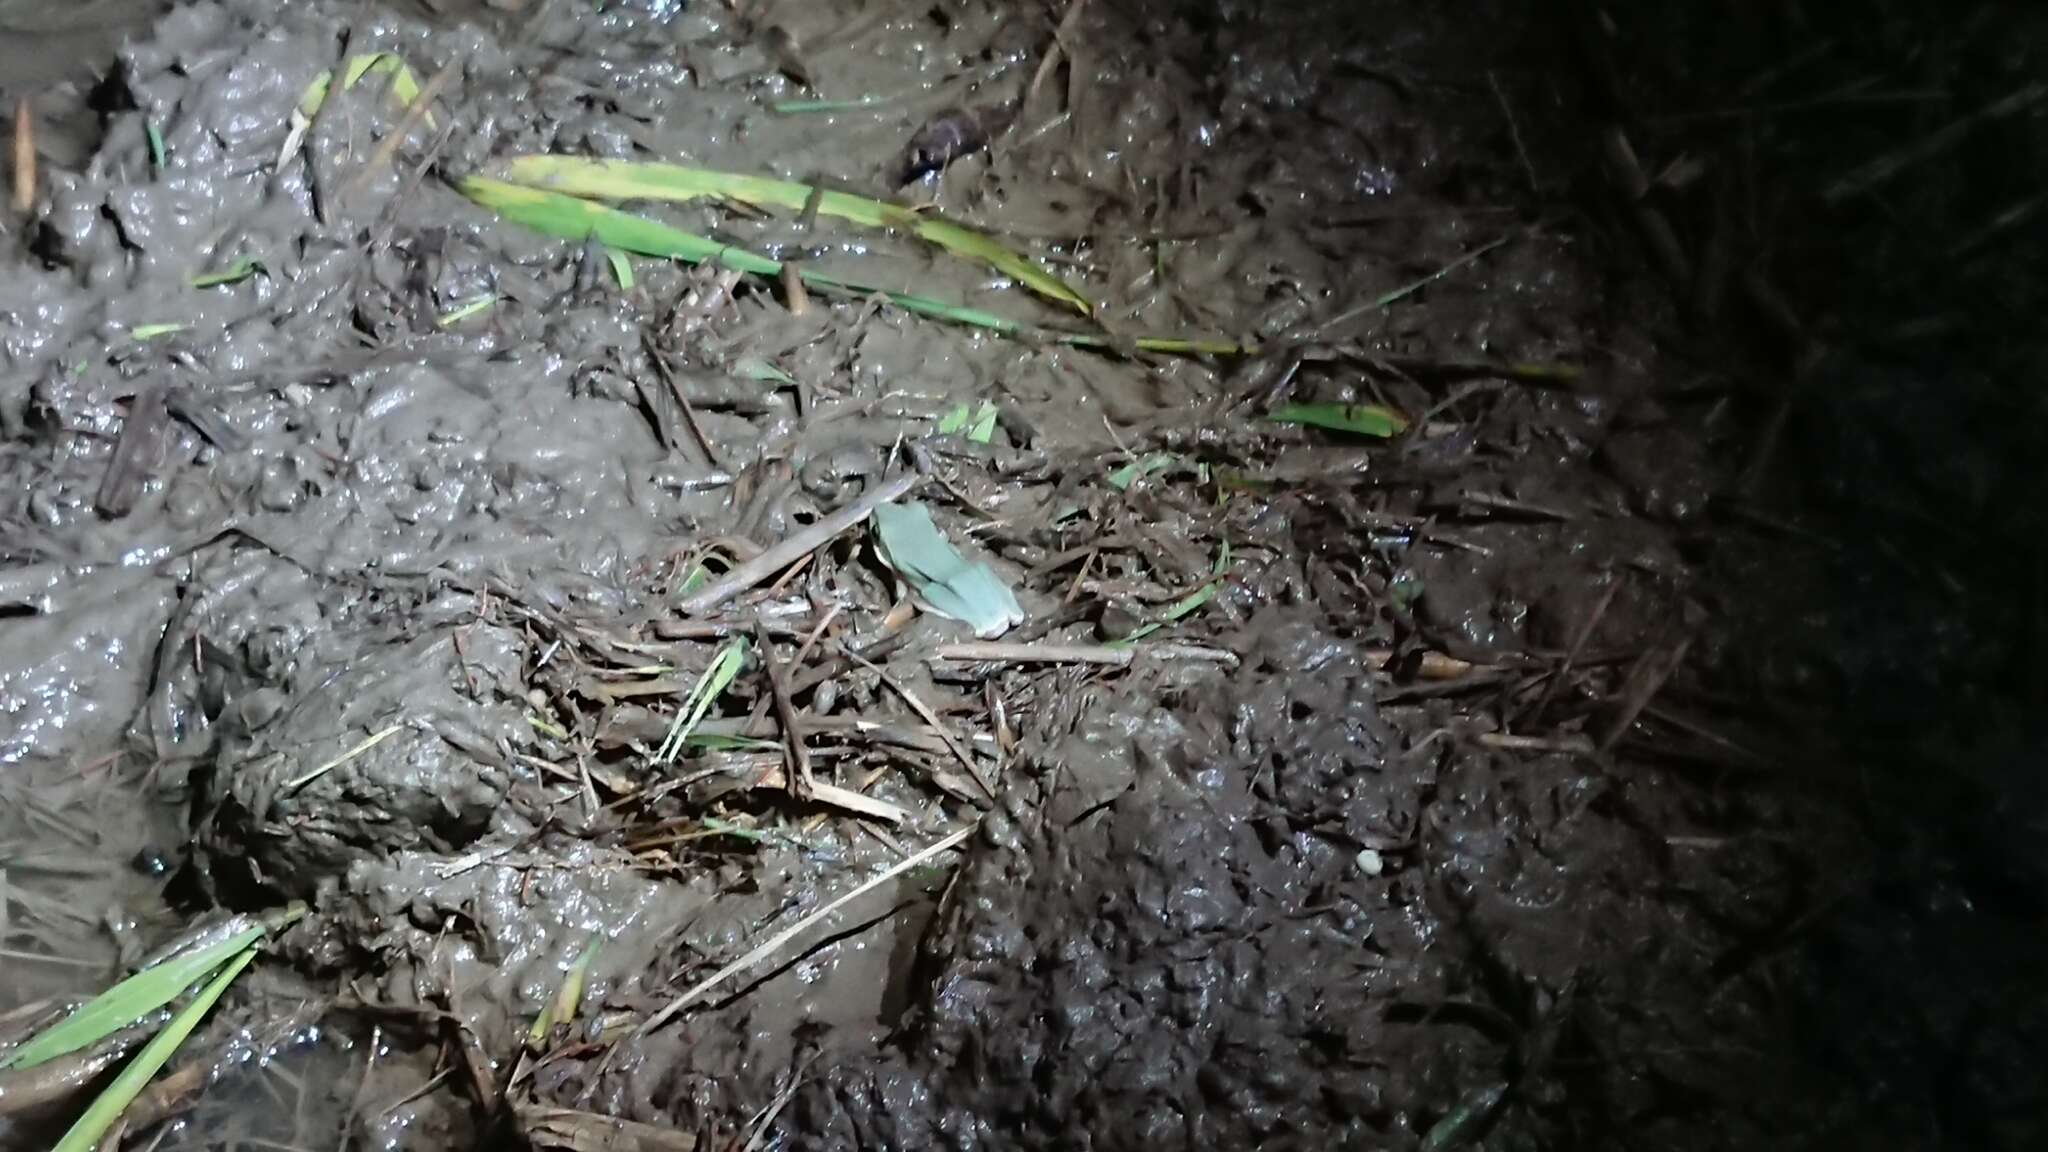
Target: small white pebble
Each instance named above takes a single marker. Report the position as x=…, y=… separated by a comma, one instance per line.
x=1370, y=862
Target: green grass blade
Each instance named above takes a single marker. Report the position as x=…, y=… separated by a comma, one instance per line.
x=128, y=1001
x=156, y=331
x=314, y=95
x=714, y=742
x=1357, y=419
x=405, y=85
x=977, y=425
x=158, y=156
x=234, y=273
x=762, y=371
x=360, y=66
x=562, y=1007
x=984, y=429
x=569, y=997
x=814, y=107
x=927, y=306
x=571, y=218
x=464, y=311
x=718, y=676
x=622, y=268
x=574, y=219
x=1168, y=345
x=85, y=1135
x=1186, y=605
x=1139, y=469
x=633, y=180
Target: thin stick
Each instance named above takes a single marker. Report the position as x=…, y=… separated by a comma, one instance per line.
x=833, y=796
x=1408, y=289
x=1507, y=742
x=1435, y=665
x=1578, y=645
x=1065, y=31
x=1002, y=652
x=689, y=410
x=1891, y=164
x=24, y=156
x=924, y=713
x=1005, y=652
x=781, y=939
x=388, y=147
x=1645, y=681
x=801, y=784
x=137, y=452
x=796, y=547
x=1514, y=129
x=345, y=757
x=794, y=297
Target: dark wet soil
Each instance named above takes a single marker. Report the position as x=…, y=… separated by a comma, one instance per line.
x=1634, y=751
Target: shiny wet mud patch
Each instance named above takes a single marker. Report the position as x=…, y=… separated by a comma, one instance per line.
x=537, y=625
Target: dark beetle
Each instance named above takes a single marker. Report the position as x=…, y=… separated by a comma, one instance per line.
x=950, y=135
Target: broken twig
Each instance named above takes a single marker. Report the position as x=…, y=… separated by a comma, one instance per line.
x=795, y=547
x=781, y=939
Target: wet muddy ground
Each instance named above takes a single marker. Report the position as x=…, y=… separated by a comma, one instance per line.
x=1486, y=784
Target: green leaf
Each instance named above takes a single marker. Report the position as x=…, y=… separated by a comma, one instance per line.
x=634, y=180
x=1139, y=469
x=107, y=1107
x=464, y=311
x=984, y=429
x=622, y=268
x=978, y=425
x=718, y=676
x=762, y=372
x=234, y=273
x=155, y=331
x=157, y=154
x=945, y=581
x=1186, y=605
x=1358, y=419
x=129, y=1001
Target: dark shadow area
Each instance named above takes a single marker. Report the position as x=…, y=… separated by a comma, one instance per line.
x=1858, y=191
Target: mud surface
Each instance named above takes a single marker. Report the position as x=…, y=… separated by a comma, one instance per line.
x=1461, y=795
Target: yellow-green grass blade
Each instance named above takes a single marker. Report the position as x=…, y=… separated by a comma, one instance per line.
x=648, y=180
x=129, y=1001
x=622, y=268
x=234, y=273
x=405, y=85
x=718, y=676
x=1357, y=419
x=567, y=1000
x=314, y=96
x=85, y=1135
x=573, y=218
